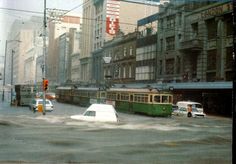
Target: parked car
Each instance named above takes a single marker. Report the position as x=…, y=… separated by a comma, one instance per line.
x=185, y=104
x=98, y=113
x=36, y=102
x=182, y=111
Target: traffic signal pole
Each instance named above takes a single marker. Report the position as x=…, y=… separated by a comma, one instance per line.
x=44, y=56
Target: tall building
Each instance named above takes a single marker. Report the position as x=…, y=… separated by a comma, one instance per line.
x=102, y=20
x=22, y=51
x=56, y=29
x=146, y=49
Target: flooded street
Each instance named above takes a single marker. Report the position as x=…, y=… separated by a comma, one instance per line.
x=28, y=137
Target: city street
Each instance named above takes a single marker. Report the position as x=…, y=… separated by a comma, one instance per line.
x=28, y=137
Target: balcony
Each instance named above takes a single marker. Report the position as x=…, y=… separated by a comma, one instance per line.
x=191, y=45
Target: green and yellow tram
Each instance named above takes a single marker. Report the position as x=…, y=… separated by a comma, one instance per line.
x=144, y=101
x=88, y=96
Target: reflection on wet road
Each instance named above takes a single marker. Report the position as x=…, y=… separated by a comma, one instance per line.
x=55, y=138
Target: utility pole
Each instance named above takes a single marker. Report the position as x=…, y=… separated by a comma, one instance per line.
x=44, y=56
x=12, y=55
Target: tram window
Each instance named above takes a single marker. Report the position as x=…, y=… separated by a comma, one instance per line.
x=124, y=96
x=164, y=99
x=103, y=94
x=141, y=97
x=131, y=97
x=157, y=99
x=150, y=98
x=170, y=99
x=118, y=97
x=111, y=96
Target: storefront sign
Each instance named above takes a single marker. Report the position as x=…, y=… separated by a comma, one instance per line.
x=219, y=10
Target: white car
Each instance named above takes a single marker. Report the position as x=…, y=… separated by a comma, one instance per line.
x=185, y=104
x=99, y=113
x=182, y=111
x=35, y=103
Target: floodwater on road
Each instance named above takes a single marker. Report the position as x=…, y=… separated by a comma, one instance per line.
x=27, y=137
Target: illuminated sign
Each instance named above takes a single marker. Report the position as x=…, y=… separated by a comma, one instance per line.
x=112, y=16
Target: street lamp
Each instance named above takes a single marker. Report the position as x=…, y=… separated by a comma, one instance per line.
x=12, y=53
x=4, y=71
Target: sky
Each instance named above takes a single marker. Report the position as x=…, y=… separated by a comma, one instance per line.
x=8, y=13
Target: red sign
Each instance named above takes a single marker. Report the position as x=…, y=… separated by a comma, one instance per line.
x=112, y=25
x=112, y=17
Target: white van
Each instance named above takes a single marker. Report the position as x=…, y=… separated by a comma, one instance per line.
x=98, y=112
x=195, y=105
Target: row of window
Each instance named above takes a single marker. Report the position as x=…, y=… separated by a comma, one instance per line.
x=126, y=52
x=140, y=97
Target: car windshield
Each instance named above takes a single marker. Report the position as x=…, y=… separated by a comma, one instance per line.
x=41, y=102
x=194, y=110
x=90, y=113
x=197, y=105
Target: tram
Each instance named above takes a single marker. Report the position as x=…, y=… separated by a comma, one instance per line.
x=64, y=94
x=144, y=101
x=80, y=96
x=87, y=96
x=24, y=94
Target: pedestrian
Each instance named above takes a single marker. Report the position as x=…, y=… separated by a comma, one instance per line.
x=189, y=109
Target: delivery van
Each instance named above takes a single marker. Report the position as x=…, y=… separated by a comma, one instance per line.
x=185, y=104
x=99, y=113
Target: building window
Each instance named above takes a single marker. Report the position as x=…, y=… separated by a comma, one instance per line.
x=131, y=51
x=195, y=30
x=170, y=43
x=210, y=76
x=124, y=72
x=161, y=24
x=229, y=58
x=125, y=51
x=161, y=45
x=211, y=60
x=170, y=66
x=178, y=64
x=229, y=26
x=211, y=28
x=160, y=67
x=130, y=71
x=170, y=22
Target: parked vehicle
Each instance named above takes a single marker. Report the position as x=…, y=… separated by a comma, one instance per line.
x=185, y=104
x=36, y=102
x=182, y=111
x=98, y=113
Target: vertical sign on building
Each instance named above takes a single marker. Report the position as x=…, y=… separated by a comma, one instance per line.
x=112, y=16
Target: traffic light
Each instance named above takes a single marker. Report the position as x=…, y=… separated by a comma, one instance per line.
x=45, y=84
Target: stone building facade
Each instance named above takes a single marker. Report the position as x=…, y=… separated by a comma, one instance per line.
x=195, y=46
x=122, y=51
